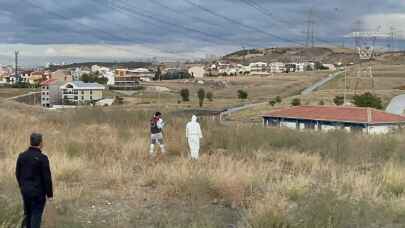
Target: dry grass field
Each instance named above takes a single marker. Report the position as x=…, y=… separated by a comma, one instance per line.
x=10, y=92
x=225, y=88
x=248, y=176
x=387, y=79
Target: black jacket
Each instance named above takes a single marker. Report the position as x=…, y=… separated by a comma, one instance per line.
x=33, y=174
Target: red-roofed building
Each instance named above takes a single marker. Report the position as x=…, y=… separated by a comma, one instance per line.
x=326, y=118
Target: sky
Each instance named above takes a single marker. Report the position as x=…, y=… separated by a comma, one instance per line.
x=89, y=30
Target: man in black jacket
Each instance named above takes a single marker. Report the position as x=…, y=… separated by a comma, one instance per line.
x=35, y=181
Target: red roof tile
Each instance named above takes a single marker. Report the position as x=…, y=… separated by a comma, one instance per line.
x=337, y=114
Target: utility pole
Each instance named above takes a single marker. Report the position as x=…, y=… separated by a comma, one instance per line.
x=17, y=77
x=392, y=36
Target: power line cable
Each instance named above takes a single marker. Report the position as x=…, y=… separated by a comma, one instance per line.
x=263, y=11
x=176, y=27
x=100, y=31
x=233, y=21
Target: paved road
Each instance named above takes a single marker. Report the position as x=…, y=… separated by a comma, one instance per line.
x=240, y=108
x=23, y=95
x=320, y=83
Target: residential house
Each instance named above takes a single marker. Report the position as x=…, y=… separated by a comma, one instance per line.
x=76, y=74
x=36, y=77
x=197, y=71
x=50, y=93
x=309, y=66
x=258, y=68
x=78, y=92
x=104, y=72
x=277, y=67
x=143, y=74
x=5, y=72
x=326, y=118
x=62, y=75
x=300, y=67
x=290, y=67
x=331, y=67
x=130, y=78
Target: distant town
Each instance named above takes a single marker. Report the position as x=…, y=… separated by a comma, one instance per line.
x=64, y=85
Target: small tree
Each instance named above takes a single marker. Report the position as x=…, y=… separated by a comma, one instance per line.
x=278, y=99
x=296, y=102
x=185, y=95
x=210, y=96
x=243, y=95
x=272, y=102
x=367, y=100
x=201, y=96
x=339, y=100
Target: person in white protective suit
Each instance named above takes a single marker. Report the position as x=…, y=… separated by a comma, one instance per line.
x=194, y=134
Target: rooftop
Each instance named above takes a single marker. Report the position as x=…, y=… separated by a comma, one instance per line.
x=337, y=114
x=84, y=85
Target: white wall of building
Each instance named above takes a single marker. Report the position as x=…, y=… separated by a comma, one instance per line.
x=287, y=124
x=375, y=130
x=197, y=71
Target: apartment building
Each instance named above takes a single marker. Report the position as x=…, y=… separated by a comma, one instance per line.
x=259, y=67
x=50, y=93
x=78, y=92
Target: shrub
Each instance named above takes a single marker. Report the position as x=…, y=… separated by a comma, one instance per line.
x=210, y=96
x=327, y=208
x=278, y=99
x=272, y=102
x=296, y=102
x=243, y=95
x=185, y=95
x=321, y=102
x=367, y=100
x=339, y=100
x=201, y=96
x=94, y=77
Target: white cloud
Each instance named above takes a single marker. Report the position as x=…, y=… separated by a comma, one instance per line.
x=385, y=22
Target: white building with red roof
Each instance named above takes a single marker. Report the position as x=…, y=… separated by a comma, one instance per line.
x=353, y=119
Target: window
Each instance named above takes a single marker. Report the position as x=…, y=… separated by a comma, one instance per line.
x=82, y=98
x=82, y=92
x=91, y=91
x=91, y=98
x=76, y=98
x=309, y=125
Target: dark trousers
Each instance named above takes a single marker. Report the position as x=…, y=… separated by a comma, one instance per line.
x=33, y=210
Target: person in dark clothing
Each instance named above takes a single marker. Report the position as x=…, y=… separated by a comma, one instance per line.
x=156, y=134
x=34, y=179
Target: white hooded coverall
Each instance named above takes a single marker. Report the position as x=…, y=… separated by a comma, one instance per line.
x=193, y=134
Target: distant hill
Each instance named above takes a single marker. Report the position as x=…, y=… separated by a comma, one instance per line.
x=105, y=64
x=320, y=54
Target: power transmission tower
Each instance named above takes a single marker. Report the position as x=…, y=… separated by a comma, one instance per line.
x=364, y=50
x=310, y=29
x=17, y=76
x=392, y=38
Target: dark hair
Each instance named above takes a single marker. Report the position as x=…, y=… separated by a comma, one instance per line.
x=35, y=139
x=158, y=114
